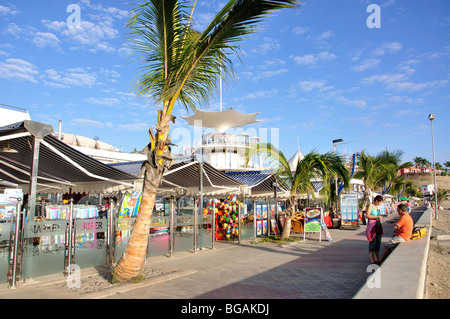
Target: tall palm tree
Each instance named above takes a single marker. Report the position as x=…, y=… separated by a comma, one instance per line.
x=179, y=64
x=377, y=172
x=313, y=166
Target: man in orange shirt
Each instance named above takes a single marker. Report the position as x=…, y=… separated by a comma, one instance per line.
x=403, y=230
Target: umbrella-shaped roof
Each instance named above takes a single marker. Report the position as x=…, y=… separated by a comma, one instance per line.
x=222, y=120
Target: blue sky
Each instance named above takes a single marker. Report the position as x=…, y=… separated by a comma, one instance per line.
x=315, y=74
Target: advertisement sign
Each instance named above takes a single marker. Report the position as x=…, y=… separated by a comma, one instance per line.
x=313, y=219
x=349, y=207
x=13, y=194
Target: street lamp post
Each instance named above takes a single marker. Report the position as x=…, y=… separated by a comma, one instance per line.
x=340, y=140
x=432, y=117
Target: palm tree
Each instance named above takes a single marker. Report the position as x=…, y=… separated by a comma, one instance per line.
x=442, y=195
x=447, y=164
x=377, y=172
x=313, y=166
x=179, y=64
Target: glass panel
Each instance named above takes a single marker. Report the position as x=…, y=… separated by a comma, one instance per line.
x=123, y=232
x=261, y=218
x=183, y=232
x=90, y=241
x=204, y=231
x=43, y=248
x=158, y=242
x=247, y=221
x=5, y=236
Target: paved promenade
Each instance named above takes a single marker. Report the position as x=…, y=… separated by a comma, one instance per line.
x=298, y=270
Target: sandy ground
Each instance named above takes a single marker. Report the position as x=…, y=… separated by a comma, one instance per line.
x=438, y=276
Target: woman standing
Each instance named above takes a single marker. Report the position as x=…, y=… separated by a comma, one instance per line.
x=374, y=229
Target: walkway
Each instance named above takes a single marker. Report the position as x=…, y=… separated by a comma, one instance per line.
x=311, y=269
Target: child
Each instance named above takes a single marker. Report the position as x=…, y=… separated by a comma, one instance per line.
x=403, y=231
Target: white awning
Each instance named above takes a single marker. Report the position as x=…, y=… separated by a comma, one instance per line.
x=222, y=120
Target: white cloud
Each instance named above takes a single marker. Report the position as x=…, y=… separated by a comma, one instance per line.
x=325, y=35
x=366, y=65
x=8, y=10
x=18, y=70
x=267, y=45
x=44, y=39
x=356, y=103
x=260, y=94
x=387, y=47
x=103, y=101
x=72, y=77
x=87, y=122
x=311, y=59
x=300, y=30
x=399, y=82
x=308, y=86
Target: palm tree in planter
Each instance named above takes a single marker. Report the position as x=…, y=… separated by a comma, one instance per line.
x=313, y=166
x=179, y=64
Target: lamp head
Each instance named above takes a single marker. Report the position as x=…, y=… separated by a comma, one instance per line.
x=338, y=140
x=431, y=116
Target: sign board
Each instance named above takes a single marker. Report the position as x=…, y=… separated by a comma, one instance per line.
x=13, y=194
x=349, y=207
x=45, y=228
x=313, y=221
x=83, y=226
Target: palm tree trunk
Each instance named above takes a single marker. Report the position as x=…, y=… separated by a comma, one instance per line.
x=286, y=233
x=132, y=261
x=159, y=159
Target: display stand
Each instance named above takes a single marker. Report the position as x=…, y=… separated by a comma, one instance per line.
x=313, y=221
x=349, y=211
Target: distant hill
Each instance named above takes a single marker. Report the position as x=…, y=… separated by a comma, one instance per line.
x=443, y=182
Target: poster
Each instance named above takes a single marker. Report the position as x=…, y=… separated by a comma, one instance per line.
x=264, y=211
x=313, y=219
x=275, y=227
x=349, y=207
x=258, y=228
x=258, y=211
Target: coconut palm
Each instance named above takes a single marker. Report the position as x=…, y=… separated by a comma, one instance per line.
x=179, y=64
x=447, y=164
x=377, y=172
x=442, y=195
x=312, y=167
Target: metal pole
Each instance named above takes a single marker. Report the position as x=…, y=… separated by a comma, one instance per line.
x=171, y=225
x=16, y=243
x=195, y=224
x=213, y=224
x=254, y=220
x=239, y=223
x=112, y=233
x=70, y=238
x=434, y=172
x=33, y=176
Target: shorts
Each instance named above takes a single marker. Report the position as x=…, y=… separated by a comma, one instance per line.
x=395, y=241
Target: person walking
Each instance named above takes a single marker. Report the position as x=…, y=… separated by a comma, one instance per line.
x=374, y=229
